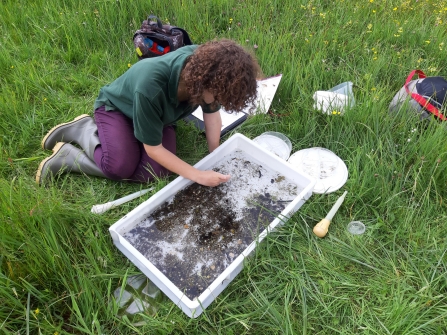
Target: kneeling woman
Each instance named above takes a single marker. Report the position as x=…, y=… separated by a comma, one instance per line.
x=132, y=135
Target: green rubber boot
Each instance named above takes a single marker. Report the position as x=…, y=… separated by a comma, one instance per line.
x=66, y=158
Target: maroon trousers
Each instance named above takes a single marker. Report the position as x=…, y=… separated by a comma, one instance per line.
x=121, y=156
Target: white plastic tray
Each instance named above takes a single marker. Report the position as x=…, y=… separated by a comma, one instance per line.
x=194, y=308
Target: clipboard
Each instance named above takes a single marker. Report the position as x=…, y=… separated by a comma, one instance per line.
x=266, y=90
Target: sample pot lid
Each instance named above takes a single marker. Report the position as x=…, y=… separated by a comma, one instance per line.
x=326, y=167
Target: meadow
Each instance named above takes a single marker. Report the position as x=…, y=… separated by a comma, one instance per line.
x=58, y=265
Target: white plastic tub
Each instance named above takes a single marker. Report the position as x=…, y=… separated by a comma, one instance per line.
x=194, y=308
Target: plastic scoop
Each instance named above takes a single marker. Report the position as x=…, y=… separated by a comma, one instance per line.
x=322, y=227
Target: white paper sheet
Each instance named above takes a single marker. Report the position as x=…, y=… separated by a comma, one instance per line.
x=266, y=90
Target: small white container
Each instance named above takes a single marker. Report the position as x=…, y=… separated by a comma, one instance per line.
x=356, y=227
x=277, y=143
x=343, y=88
x=194, y=308
x=335, y=100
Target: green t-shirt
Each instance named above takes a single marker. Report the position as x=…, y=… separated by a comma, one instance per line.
x=147, y=93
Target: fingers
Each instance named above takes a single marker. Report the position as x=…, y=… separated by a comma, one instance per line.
x=224, y=178
x=212, y=178
x=221, y=178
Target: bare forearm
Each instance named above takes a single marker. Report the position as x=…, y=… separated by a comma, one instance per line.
x=173, y=163
x=213, y=126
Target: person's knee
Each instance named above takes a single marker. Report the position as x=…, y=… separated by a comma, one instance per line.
x=148, y=172
x=169, y=140
x=118, y=169
x=158, y=170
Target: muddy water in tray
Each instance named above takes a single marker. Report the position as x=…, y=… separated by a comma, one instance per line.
x=195, y=235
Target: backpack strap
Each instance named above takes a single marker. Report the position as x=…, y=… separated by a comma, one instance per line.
x=186, y=38
x=419, y=98
x=159, y=24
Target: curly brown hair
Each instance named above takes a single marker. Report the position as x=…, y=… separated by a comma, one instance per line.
x=225, y=69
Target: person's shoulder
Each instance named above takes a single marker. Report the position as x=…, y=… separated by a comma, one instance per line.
x=188, y=49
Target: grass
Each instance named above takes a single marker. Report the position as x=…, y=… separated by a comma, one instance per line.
x=58, y=265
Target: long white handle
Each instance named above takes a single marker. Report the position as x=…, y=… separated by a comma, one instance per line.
x=336, y=206
x=101, y=208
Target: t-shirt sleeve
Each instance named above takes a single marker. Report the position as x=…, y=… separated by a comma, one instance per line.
x=147, y=122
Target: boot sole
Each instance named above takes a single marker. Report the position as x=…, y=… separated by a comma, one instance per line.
x=61, y=125
x=56, y=149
